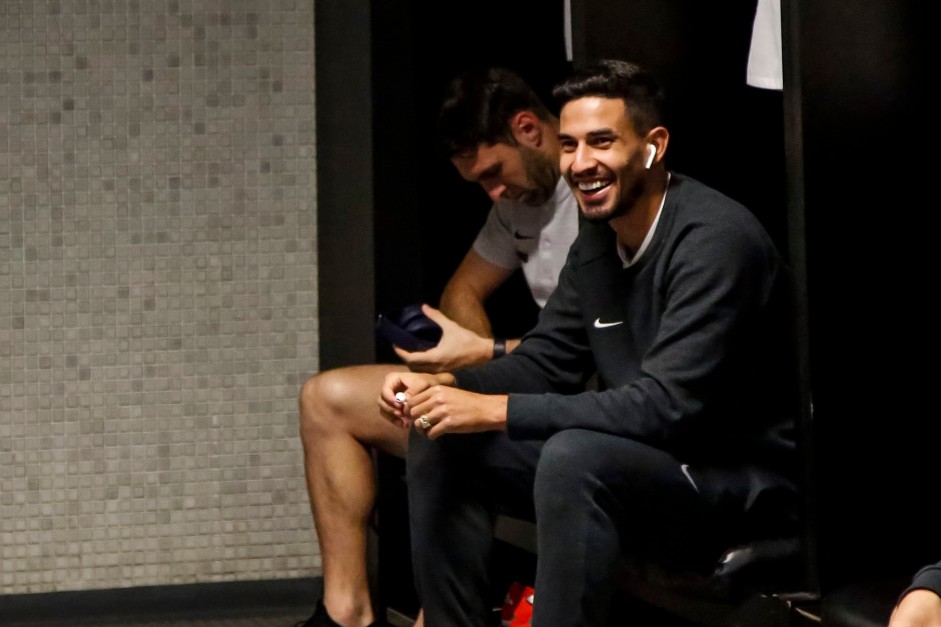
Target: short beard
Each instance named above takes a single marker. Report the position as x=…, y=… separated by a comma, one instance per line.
x=543, y=173
x=623, y=205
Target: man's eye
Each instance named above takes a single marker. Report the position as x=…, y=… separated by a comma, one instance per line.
x=568, y=146
x=602, y=142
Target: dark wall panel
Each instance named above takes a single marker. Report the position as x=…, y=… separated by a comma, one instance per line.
x=344, y=195
x=873, y=321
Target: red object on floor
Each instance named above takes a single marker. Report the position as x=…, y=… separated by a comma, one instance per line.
x=517, y=606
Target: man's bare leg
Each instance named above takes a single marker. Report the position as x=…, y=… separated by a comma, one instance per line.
x=339, y=422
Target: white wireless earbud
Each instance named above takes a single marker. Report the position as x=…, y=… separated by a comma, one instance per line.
x=651, y=153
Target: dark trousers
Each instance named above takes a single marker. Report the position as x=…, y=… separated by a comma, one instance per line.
x=596, y=499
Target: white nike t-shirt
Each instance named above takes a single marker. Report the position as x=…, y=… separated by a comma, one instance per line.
x=534, y=238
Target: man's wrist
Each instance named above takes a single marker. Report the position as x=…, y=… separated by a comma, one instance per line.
x=445, y=378
x=499, y=347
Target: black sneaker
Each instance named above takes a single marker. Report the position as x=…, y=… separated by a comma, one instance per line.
x=319, y=618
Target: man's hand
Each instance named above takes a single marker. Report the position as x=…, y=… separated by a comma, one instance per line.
x=458, y=347
x=918, y=608
x=397, y=390
x=441, y=409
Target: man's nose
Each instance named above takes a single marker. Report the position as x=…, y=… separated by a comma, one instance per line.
x=494, y=190
x=582, y=159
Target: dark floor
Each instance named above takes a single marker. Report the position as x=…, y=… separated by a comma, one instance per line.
x=286, y=619
x=278, y=603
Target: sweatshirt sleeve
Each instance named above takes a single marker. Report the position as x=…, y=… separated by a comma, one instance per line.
x=553, y=357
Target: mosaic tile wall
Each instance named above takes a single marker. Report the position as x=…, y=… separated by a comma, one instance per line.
x=157, y=291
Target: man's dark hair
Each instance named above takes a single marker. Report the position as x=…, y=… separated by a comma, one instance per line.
x=478, y=107
x=612, y=78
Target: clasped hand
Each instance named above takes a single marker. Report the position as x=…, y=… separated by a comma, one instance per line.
x=432, y=405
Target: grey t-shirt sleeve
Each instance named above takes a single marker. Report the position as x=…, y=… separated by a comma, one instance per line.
x=495, y=240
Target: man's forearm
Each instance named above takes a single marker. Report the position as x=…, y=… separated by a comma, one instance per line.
x=472, y=316
x=466, y=310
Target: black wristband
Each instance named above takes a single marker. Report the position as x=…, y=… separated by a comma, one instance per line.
x=499, y=347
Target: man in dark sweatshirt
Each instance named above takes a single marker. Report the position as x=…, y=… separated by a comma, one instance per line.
x=676, y=298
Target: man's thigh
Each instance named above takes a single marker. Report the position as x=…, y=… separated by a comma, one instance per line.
x=489, y=466
x=666, y=510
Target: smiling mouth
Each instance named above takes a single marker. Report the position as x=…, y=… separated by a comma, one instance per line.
x=592, y=187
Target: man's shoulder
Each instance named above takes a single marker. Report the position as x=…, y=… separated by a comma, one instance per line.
x=695, y=201
x=690, y=190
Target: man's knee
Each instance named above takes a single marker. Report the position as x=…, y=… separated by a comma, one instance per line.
x=576, y=462
x=558, y=468
x=322, y=400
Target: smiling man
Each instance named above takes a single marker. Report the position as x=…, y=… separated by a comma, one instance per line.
x=675, y=296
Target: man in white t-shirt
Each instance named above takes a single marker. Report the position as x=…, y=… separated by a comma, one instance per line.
x=498, y=134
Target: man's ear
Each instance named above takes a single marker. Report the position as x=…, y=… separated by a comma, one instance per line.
x=526, y=128
x=659, y=137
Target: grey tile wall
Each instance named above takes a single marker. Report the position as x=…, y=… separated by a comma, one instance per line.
x=158, y=304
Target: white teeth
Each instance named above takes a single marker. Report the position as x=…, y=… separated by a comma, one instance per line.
x=591, y=186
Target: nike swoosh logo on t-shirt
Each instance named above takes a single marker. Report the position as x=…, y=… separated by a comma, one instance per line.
x=604, y=325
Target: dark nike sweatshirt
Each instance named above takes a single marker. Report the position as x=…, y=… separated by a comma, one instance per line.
x=691, y=344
